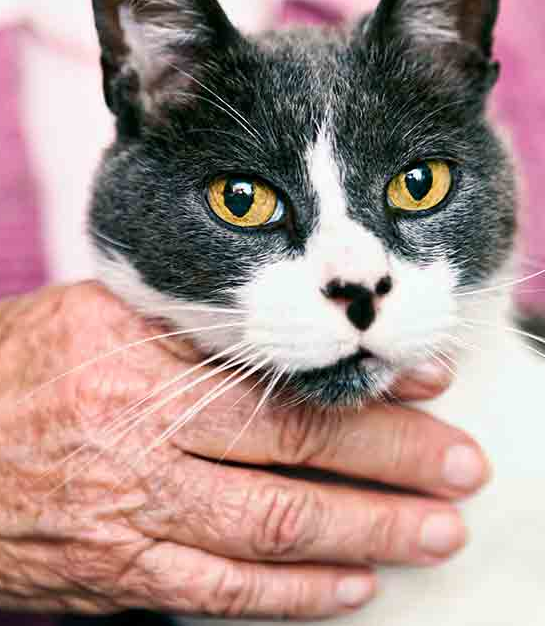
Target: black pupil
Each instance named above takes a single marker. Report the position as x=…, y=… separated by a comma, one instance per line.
x=419, y=181
x=239, y=196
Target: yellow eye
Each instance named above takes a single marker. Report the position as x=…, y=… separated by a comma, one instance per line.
x=245, y=202
x=422, y=187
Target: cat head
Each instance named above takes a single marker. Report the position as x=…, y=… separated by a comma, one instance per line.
x=318, y=198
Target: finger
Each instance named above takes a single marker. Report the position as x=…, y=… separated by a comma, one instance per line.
x=387, y=444
x=187, y=581
x=256, y=516
x=423, y=383
x=392, y=445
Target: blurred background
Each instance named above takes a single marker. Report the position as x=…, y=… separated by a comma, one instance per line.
x=54, y=126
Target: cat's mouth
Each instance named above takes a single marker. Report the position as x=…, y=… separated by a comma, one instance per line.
x=363, y=355
x=349, y=382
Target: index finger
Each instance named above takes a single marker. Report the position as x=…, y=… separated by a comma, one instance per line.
x=393, y=445
x=423, y=383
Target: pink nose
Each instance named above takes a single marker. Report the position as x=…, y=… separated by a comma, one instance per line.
x=311, y=12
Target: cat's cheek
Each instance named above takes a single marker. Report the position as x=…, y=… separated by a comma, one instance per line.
x=212, y=329
x=417, y=315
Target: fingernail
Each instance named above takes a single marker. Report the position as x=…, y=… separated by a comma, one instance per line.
x=464, y=468
x=430, y=373
x=353, y=592
x=442, y=534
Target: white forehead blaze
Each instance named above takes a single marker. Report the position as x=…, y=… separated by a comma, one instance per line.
x=341, y=248
x=326, y=177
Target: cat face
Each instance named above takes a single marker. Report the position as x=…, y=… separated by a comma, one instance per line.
x=325, y=195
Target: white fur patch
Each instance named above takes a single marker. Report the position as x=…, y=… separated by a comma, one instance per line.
x=326, y=178
x=340, y=244
x=125, y=281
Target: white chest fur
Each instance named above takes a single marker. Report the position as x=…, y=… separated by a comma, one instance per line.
x=499, y=580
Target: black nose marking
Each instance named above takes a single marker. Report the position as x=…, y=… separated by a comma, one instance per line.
x=384, y=286
x=361, y=310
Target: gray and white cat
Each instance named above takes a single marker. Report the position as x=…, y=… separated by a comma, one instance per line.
x=340, y=195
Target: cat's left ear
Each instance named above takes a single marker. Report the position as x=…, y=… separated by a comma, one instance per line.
x=154, y=50
x=450, y=30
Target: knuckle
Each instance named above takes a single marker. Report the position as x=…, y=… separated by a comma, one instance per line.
x=160, y=581
x=234, y=593
x=299, y=603
x=381, y=537
x=78, y=562
x=304, y=435
x=154, y=579
x=89, y=567
x=288, y=524
x=407, y=445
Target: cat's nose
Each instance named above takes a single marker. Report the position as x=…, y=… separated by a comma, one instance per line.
x=360, y=302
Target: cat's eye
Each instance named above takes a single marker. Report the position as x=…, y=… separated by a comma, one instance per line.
x=422, y=187
x=245, y=202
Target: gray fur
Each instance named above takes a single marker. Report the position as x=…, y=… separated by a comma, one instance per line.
x=391, y=99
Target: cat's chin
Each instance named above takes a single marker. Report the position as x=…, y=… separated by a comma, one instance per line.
x=350, y=382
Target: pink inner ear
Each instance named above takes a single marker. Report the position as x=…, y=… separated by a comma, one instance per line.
x=312, y=12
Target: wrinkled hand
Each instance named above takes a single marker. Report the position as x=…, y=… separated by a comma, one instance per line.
x=105, y=527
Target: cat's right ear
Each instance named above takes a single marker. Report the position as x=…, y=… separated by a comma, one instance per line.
x=453, y=34
x=153, y=50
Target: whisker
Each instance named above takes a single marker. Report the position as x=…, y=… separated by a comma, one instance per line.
x=235, y=361
x=135, y=421
x=266, y=395
x=120, y=350
x=448, y=357
x=434, y=357
x=220, y=389
x=216, y=131
x=535, y=338
x=520, y=281
x=406, y=113
x=432, y=114
x=283, y=386
x=464, y=344
x=297, y=400
x=517, y=331
x=535, y=351
x=121, y=419
x=217, y=106
x=113, y=242
x=247, y=393
x=204, y=308
x=213, y=93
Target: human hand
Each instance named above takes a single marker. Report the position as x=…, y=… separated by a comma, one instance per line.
x=89, y=523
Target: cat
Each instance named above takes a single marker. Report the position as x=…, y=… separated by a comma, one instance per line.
x=341, y=196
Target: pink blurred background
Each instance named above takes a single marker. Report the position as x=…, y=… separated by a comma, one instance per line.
x=53, y=127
